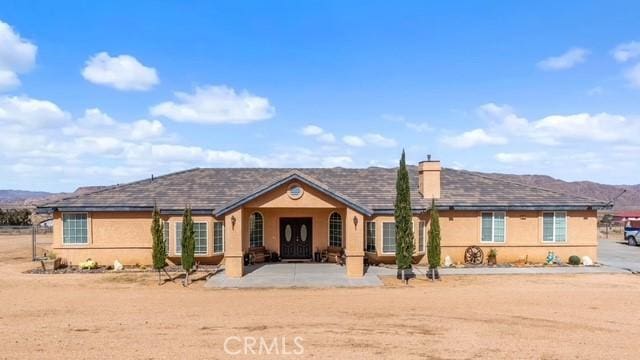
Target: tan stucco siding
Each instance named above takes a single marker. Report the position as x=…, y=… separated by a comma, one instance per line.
x=125, y=236
x=461, y=229
x=278, y=204
x=379, y=255
x=319, y=218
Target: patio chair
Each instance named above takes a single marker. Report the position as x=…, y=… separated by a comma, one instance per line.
x=335, y=254
x=260, y=254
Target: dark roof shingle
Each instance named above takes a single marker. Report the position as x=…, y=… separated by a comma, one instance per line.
x=372, y=188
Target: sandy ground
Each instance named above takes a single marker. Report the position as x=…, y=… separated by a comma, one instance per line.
x=129, y=315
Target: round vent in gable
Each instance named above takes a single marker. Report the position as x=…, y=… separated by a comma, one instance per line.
x=295, y=191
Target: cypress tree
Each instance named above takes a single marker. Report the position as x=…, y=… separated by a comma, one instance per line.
x=188, y=244
x=404, y=229
x=159, y=251
x=433, y=246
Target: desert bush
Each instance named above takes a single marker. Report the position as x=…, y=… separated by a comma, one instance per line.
x=574, y=260
x=88, y=265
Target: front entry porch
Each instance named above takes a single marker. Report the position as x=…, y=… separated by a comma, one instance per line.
x=295, y=218
x=293, y=275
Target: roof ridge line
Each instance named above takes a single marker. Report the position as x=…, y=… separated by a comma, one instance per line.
x=488, y=176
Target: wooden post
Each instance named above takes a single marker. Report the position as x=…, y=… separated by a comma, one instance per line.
x=33, y=243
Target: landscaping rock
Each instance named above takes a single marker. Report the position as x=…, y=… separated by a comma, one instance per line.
x=117, y=266
x=447, y=261
x=586, y=261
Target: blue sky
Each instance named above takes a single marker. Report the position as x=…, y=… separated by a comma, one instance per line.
x=95, y=93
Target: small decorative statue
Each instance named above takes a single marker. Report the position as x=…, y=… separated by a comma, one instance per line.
x=551, y=257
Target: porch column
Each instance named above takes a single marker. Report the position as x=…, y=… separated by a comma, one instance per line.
x=354, y=249
x=233, y=255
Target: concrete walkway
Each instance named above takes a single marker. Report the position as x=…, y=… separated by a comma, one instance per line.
x=420, y=271
x=303, y=275
x=619, y=255
x=314, y=275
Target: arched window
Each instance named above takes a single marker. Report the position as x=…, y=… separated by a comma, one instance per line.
x=335, y=230
x=256, y=230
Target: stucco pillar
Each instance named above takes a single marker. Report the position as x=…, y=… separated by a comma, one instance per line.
x=354, y=249
x=233, y=255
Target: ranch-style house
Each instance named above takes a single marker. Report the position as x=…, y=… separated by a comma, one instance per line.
x=299, y=212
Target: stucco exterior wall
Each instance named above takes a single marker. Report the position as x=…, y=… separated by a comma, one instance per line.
x=461, y=229
x=125, y=236
x=379, y=256
x=278, y=204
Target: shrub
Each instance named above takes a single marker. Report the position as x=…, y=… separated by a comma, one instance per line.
x=574, y=260
x=88, y=265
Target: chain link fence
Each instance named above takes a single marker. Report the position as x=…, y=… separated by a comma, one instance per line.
x=40, y=237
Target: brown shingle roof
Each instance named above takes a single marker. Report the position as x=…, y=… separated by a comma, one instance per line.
x=372, y=188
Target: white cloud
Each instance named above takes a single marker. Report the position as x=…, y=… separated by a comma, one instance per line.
x=95, y=121
x=334, y=161
x=633, y=76
x=191, y=154
x=473, y=138
x=557, y=129
x=312, y=130
x=353, y=140
x=123, y=72
x=601, y=127
x=627, y=51
x=216, y=105
x=8, y=80
x=509, y=158
x=17, y=56
x=418, y=127
x=24, y=112
x=379, y=140
x=565, y=61
x=319, y=133
x=371, y=139
x=503, y=117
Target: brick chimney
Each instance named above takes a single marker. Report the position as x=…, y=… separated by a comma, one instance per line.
x=429, y=178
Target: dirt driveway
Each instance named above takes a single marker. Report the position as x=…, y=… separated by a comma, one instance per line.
x=488, y=317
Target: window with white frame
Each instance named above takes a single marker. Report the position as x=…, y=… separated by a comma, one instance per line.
x=75, y=229
x=493, y=227
x=256, y=230
x=421, y=230
x=335, y=230
x=554, y=226
x=165, y=236
x=371, y=236
x=388, y=237
x=218, y=237
x=178, y=238
x=200, y=232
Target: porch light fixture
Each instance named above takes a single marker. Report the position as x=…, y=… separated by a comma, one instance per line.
x=233, y=221
x=355, y=221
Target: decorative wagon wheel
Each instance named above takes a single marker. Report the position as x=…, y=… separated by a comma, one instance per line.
x=473, y=255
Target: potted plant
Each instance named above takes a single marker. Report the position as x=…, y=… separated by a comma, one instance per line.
x=491, y=258
x=51, y=261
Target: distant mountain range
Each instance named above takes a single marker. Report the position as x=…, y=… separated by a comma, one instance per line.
x=630, y=200
x=25, y=198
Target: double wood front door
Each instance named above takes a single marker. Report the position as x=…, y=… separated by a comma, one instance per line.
x=296, y=238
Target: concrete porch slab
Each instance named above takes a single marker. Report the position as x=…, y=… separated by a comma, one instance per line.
x=293, y=275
